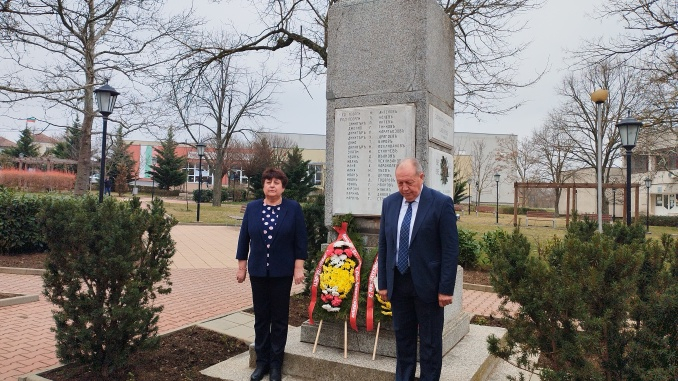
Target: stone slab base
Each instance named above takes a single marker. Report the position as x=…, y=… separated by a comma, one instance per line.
x=467, y=361
x=332, y=335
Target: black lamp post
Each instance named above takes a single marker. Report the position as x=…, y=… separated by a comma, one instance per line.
x=648, y=183
x=496, y=179
x=201, y=153
x=468, y=182
x=628, y=130
x=614, y=203
x=106, y=97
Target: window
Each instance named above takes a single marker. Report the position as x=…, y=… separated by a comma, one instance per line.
x=317, y=169
x=658, y=201
x=194, y=173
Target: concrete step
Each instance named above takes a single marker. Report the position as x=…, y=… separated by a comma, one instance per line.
x=467, y=361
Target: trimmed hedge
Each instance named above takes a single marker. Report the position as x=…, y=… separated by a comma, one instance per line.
x=20, y=230
x=226, y=194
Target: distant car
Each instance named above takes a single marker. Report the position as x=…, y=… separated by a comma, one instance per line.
x=94, y=179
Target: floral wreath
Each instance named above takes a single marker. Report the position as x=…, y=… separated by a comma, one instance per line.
x=337, y=276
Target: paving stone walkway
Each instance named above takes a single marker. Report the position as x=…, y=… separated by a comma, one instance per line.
x=204, y=288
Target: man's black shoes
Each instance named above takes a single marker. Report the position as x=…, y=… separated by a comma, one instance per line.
x=275, y=374
x=260, y=372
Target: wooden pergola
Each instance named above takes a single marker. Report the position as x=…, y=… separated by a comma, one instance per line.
x=571, y=188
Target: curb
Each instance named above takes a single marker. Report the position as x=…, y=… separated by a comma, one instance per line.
x=478, y=287
x=20, y=299
x=21, y=271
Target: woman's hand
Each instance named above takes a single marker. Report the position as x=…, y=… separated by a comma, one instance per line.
x=298, y=275
x=241, y=275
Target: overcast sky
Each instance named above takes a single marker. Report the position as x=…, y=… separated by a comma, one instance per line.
x=557, y=26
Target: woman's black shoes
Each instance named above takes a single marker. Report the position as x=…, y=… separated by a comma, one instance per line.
x=275, y=375
x=260, y=372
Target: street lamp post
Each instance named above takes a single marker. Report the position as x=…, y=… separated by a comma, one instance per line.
x=201, y=153
x=106, y=97
x=496, y=179
x=599, y=97
x=468, y=182
x=614, y=203
x=648, y=183
x=628, y=130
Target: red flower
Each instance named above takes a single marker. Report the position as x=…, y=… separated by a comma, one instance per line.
x=336, y=301
x=326, y=298
x=338, y=251
x=348, y=253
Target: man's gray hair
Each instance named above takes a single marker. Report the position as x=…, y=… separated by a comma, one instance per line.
x=413, y=161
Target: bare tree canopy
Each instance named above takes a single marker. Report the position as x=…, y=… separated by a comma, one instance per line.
x=218, y=104
x=58, y=51
x=651, y=34
x=485, y=58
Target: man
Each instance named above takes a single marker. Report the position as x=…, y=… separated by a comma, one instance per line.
x=418, y=251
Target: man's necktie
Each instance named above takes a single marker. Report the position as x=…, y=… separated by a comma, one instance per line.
x=404, y=246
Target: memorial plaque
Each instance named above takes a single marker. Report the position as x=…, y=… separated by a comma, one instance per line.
x=440, y=172
x=369, y=142
x=441, y=127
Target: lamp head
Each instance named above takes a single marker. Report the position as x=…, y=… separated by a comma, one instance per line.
x=648, y=182
x=496, y=177
x=628, y=130
x=106, y=97
x=599, y=96
x=201, y=149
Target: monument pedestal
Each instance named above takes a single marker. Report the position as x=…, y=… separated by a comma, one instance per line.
x=332, y=332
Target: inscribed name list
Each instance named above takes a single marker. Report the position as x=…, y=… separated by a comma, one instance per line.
x=369, y=142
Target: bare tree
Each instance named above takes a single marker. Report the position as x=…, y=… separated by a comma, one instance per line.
x=485, y=58
x=519, y=160
x=578, y=117
x=58, y=51
x=483, y=167
x=553, y=149
x=219, y=103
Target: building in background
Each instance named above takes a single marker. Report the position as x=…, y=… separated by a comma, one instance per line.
x=313, y=149
x=478, y=157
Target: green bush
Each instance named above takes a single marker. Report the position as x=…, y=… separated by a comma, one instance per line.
x=593, y=306
x=107, y=263
x=469, y=249
x=663, y=221
x=205, y=195
x=20, y=230
x=316, y=231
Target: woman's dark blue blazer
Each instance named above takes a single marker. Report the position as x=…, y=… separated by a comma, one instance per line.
x=289, y=240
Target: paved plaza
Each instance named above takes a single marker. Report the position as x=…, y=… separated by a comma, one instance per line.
x=204, y=288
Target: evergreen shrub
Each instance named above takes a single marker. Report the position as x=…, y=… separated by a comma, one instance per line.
x=20, y=230
x=106, y=265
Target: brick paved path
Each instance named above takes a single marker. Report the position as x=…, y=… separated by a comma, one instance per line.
x=204, y=287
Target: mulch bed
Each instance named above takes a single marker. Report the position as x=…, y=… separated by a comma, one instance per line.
x=181, y=355
x=6, y=296
x=490, y=321
x=28, y=261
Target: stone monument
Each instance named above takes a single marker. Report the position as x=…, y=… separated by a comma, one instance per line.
x=390, y=95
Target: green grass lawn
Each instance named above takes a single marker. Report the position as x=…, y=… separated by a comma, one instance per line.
x=187, y=212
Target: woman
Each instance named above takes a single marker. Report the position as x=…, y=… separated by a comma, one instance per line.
x=273, y=233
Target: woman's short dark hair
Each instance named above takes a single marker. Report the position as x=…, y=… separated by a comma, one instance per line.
x=274, y=173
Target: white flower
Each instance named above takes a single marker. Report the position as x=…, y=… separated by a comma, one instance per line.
x=329, y=308
x=341, y=244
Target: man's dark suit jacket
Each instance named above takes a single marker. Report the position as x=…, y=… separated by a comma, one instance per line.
x=289, y=240
x=434, y=245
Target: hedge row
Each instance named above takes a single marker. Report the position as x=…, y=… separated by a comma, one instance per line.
x=206, y=195
x=37, y=181
x=20, y=230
